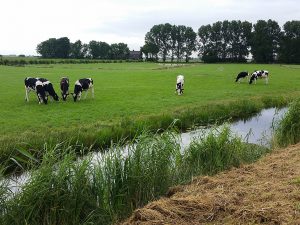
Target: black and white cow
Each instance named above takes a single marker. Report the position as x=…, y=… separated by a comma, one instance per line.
x=179, y=84
x=49, y=88
x=33, y=84
x=84, y=84
x=64, y=87
x=241, y=75
x=262, y=74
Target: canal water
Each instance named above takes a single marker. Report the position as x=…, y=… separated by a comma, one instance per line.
x=257, y=129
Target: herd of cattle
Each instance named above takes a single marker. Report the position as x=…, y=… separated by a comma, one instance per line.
x=258, y=74
x=263, y=74
x=44, y=88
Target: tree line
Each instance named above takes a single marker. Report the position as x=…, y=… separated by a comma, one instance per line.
x=222, y=41
x=63, y=48
x=226, y=41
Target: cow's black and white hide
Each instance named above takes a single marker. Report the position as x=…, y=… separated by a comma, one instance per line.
x=64, y=87
x=259, y=74
x=81, y=85
x=179, y=84
x=241, y=75
x=49, y=90
x=33, y=84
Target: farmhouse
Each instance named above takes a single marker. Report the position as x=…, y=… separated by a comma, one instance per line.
x=136, y=55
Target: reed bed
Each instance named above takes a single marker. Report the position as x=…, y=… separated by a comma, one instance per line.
x=287, y=130
x=105, y=189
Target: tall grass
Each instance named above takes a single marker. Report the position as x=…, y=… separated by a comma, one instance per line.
x=4, y=194
x=107, y=188
x=287, y=131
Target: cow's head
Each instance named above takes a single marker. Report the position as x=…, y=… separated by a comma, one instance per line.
x=76, y=96
x=77, y=91
x=64, y=96
x=252, y=78
x=64, y=87
x=55, y=97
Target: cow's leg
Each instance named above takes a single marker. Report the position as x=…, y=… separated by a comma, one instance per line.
x=26, y=94
x=39, y=99
x=92, y=90
x=85, y=94
x=267, y=80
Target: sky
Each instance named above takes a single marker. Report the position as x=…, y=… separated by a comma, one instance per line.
x=26, y=23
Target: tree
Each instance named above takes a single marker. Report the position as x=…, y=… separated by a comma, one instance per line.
x=189, y=43
x=206, y=47
x=225, y=41
x=150, y=51
x=239, y=40
x=265, y=41
x=173, y=41
x=160, y=36
x=62, y=47
x=94, y=49
x=104, y=49
x=179, y=41
x=119, y=51
x=77, y=50
x=290, y=43
x=54, y=48
x=47, y=48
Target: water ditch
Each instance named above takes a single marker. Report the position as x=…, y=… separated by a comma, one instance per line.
x=257, y=130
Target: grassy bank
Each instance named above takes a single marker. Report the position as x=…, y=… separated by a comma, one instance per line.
x=107, y=189
x=129, y=128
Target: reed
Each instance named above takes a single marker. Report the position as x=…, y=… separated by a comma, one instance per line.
x=287, y=130
x=65, y=189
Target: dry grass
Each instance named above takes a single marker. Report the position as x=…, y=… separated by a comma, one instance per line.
x=267, y=192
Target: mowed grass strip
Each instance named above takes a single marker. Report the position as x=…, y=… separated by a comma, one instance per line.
x=130, y=91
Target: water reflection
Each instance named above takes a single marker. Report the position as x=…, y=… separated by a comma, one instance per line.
x=256, y=130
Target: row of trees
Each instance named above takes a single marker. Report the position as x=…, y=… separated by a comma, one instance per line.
x=169, y=40
x=225, y=41
x=63, y=48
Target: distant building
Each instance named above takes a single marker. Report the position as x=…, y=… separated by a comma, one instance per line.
x=136, y=55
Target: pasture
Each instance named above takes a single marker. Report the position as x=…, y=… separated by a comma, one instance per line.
x=126, y=91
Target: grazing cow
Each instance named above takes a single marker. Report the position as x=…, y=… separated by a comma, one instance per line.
x=33, y=84
x=83, y=85
x=262, y=74
x=241, y=76
x=49, y=88
x=64, y=87
x=179, y=84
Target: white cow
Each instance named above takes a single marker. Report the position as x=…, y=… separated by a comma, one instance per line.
x=179, y=84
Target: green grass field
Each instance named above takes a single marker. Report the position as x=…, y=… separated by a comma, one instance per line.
x=126, y=90
x=126, y=95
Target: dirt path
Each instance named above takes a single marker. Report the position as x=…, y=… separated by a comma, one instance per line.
x=266, y=192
